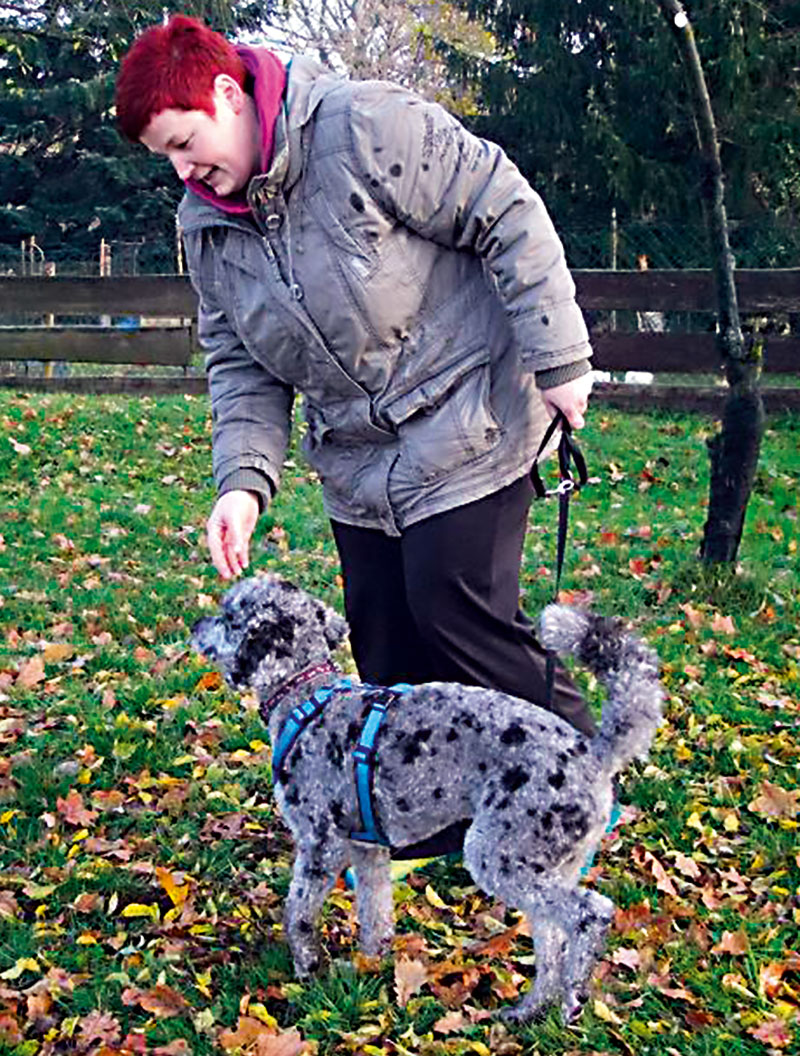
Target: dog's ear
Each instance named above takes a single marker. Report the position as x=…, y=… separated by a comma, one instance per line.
x=333, y=626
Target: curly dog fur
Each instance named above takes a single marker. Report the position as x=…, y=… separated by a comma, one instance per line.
x=537, y=793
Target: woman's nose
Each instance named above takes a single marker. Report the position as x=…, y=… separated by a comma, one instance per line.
x=183, y=167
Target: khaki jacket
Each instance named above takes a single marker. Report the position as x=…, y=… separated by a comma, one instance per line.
x=402, y=275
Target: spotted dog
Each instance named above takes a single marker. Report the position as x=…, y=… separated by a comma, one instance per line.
x=536, y=792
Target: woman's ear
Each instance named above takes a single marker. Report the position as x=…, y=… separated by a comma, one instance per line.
x=228, y=91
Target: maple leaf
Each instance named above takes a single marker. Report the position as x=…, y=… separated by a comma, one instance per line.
x=210, y=680
x=776, y=802
x=98, y=1026
x=73, y=810
x=409, y=978
x=772, y=1032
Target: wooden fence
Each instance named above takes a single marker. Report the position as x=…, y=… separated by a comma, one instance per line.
x=766, y=293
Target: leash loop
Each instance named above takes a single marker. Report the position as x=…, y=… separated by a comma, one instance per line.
x=569, y=455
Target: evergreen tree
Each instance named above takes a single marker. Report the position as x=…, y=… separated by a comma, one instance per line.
x=66, y=176
x=591, y=102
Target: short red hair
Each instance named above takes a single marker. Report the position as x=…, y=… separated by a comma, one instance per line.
x=172, y=67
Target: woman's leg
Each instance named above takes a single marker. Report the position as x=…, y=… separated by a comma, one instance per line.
x=461, y=572
x=386, y=644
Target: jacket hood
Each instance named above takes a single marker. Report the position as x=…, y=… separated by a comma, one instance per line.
x=269, y=83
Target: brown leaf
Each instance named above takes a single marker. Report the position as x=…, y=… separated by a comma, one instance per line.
x=776, y=802
x=694, y=616
x=733, y=942
x=723, y=624
x=31, y=673
x=161, y=1000
x=687, y=866
x=73, y=810
x=696, y=1019
x=451, y=1023
x=409, y=978
x=98, y=1026
x=770, y=979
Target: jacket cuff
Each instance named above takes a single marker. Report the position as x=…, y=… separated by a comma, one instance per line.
x=249, y=480
x=553, y=376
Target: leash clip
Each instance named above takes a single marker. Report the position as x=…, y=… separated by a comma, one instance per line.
x=564, y=487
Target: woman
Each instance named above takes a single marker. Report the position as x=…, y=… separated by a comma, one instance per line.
x=353, y=243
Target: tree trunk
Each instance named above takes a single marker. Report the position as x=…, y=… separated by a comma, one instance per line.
x=734, y=450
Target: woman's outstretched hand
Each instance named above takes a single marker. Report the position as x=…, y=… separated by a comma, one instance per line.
x=229, y=529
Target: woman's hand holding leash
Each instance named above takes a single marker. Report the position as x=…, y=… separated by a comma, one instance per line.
x=571, y=399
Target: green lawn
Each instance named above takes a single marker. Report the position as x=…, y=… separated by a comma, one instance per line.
x=143, y=866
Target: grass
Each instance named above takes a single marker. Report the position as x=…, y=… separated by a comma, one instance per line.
x=142, y=863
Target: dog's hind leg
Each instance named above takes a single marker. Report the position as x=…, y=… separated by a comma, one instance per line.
x=590, y=916
x=315, y=872
x=373, y=898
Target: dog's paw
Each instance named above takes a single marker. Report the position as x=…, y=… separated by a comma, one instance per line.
x=524, y=1013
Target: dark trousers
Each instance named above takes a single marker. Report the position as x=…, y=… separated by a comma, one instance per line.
x=441, y=603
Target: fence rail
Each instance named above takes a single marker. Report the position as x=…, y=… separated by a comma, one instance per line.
x=171, y=297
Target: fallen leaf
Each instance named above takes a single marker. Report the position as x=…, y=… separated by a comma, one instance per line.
x=161, y=1000
x=31, y=673
x=409, y=978
x=772, y=1032
x=776, y=802
x=73, y=810
x=733, y=942
x=452, y=1023
x=770, y=979
x=723, y=624
x=98, y=1026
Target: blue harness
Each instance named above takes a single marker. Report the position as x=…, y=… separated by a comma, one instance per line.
x=364, y=753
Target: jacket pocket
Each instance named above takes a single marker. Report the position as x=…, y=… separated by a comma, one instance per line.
x=456, y=429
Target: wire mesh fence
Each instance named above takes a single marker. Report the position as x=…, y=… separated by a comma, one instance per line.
x=764, y=242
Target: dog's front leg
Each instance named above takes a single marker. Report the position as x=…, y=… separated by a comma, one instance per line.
x=311, y=882
x=373, y=898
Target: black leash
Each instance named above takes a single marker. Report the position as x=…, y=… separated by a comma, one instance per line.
x=568, y=454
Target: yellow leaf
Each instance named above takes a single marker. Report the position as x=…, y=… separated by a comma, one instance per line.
x=178, y=893
x=138, y=909
x=731, y=823
x=87, y=939
x=434, y=899
x=694, y=822
x=260, y=1012
x=602, y=1011
x=24, y=964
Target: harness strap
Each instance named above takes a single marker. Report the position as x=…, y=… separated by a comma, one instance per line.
x=300, y=717
x=364, y=754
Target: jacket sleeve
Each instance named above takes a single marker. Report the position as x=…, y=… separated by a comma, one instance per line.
x=463, y=192
x=250, y=408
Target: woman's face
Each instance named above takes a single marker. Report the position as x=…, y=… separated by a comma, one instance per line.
x=222, y=151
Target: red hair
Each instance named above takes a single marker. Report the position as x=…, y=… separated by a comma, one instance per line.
x=172, y=67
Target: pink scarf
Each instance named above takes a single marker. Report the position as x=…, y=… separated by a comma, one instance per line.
x=269, y=81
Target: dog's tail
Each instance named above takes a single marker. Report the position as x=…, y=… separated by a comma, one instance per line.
x=627, y=667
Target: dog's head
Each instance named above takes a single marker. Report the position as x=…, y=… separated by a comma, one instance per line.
x=266, y=630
